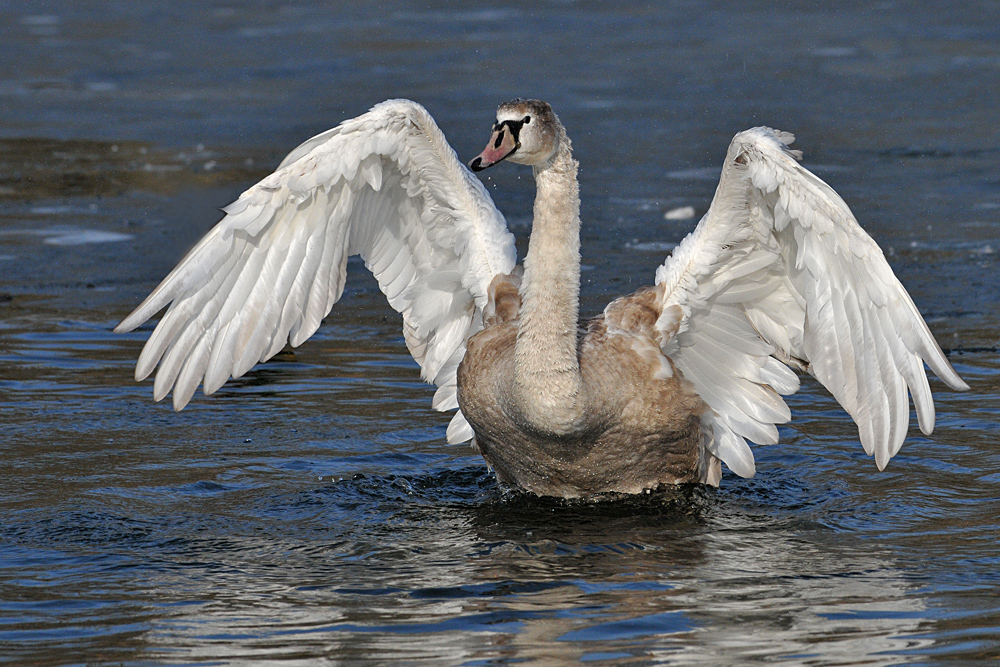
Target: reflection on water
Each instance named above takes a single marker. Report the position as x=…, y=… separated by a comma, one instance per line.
x=439, y=566
x=311, y=510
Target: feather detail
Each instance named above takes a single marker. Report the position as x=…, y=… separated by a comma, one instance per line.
x=779, y=269
x=386, y=186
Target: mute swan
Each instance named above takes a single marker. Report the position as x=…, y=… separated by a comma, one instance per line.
x=660, y=388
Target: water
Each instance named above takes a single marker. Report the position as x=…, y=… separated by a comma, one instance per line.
x=311, y=512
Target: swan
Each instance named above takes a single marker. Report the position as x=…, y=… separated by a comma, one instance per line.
x=661, y=388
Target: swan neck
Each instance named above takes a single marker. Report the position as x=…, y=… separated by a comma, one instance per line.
x=547, y=367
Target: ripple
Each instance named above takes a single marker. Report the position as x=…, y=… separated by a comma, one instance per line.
x=85, y=236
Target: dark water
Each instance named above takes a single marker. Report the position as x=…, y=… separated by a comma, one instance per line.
x=311, y=512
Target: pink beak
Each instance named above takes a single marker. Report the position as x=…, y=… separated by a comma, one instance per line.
x=502, y=144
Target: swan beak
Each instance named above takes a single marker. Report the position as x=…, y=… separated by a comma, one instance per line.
x=502, y=145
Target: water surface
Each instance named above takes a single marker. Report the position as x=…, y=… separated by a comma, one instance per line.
x=311, y=512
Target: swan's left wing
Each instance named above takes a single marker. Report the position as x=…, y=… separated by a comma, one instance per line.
x=779, y=273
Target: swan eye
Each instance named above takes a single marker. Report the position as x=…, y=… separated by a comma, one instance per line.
x=527, y=119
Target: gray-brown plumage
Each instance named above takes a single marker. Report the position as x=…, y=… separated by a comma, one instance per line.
x=557, y=411
x=641, y=427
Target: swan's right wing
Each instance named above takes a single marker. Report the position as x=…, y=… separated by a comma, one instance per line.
x=385, y=185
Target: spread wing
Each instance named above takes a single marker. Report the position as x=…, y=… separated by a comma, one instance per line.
x=385, y=185
x=779, y=272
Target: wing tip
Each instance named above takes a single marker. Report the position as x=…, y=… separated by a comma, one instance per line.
x=957, y=383
x=180, y=401
x=935, y=357
x=151, y=305
x=131, y=322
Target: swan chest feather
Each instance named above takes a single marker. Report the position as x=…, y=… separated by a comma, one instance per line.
x=641, y=426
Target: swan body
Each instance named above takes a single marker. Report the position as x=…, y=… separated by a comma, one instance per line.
x=663, y=387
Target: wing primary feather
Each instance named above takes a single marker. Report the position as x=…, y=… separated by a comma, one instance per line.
x=254, y=317
x=196, y=263
x=232, y=315
x=206, y=305
x=269, y=295
x=191, y=373
x=186, y=305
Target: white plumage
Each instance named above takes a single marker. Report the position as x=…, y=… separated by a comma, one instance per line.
x=777, y=274
x=385, y=186
x=779, y=266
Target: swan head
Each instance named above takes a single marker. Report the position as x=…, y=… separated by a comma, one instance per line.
x=526, y=132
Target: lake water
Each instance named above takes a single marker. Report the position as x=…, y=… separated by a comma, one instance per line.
x=311, y=512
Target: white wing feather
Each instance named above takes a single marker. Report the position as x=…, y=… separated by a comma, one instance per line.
x=779, y=269
x=385, y=185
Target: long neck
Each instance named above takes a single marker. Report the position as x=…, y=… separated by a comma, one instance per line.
x=547, y=369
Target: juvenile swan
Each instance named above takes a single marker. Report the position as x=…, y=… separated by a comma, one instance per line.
x=660, y=388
